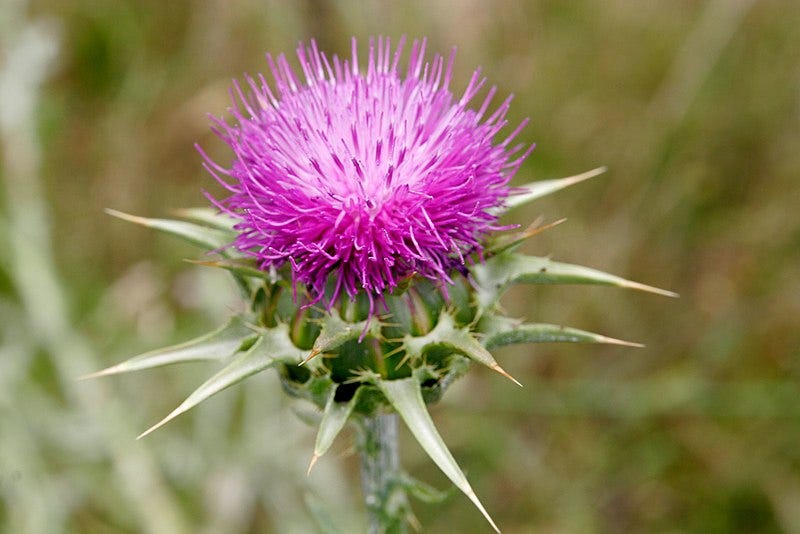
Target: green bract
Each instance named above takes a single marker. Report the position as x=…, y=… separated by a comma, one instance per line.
x=352, y=365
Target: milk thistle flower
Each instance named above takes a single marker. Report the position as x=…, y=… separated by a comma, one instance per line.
x=360, y=226
x=361, y=178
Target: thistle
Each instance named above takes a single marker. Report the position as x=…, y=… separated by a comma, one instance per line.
x=358, y=226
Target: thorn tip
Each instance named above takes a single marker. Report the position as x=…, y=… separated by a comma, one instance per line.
x=622, y=342
x=310, y=356
x=651, y=289
x=125, y=216
x=503, y=372
x=97, y=374
x=311, y=464
x=161, y=423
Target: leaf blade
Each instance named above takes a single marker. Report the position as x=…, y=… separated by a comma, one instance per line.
x=219, y=344
x=245, y=267
x=406, y=397
x=201, y=236
x=334, y=418
x=272, y=347
x=208, y=217
x=446, y=333
x=335, y=332
x=541, y=188
x=497, y=273
x=548, y=333
x=211, y=239
x=546, y=271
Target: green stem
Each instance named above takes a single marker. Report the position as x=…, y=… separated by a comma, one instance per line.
x=385, y=499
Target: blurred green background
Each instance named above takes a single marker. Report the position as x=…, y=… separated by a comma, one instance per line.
x=693, y=105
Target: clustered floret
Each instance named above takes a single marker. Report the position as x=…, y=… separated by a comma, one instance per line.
x=359, y=179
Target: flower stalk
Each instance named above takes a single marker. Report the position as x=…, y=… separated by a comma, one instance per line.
x=384, y=497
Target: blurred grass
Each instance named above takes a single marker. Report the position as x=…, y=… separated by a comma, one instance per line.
x=695, y=108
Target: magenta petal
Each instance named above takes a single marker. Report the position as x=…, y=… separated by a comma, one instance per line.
x=363, y=175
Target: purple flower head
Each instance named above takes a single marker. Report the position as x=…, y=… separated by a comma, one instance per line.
x=360, y=178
